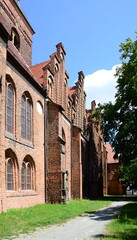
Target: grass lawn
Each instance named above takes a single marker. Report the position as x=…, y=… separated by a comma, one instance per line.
x=16, y=221
x=124, y=226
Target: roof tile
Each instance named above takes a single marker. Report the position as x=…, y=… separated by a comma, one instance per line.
x=37, y=70
x=110, y=154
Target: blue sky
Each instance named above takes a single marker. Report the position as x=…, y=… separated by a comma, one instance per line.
x=91, y=31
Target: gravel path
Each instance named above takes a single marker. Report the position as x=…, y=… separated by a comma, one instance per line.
x=87, y=227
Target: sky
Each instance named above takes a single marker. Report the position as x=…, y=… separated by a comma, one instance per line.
x=91, y=31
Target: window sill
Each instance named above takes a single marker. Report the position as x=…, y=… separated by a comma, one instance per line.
x=22, y=193
x=28, y=144
x=13, y=138
x=10, y=136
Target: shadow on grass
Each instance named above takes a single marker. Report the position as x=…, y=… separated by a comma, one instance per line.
x=119, y=198
x=105, y=214
x=99, y=236
x=125, y=225
x=128, y=235
x=129, y=213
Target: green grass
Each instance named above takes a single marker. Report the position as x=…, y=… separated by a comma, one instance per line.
x=124, y=226
x=17, y=221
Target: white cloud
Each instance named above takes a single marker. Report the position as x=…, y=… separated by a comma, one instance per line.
x=101, y=86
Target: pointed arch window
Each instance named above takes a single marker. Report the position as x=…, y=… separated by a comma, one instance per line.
x=10, y=110
x=9, y=175
x=27, y=175
x=26, y=118
x=11, y=170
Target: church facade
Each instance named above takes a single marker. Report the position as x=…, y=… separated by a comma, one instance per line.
x=45, y=129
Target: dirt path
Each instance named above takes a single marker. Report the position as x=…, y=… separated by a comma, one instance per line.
x=81, y=228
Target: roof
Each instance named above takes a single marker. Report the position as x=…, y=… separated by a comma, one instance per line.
x=37, y=70
x=110, y=156
x=72, y=90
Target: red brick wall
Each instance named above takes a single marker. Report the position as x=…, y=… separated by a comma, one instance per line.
x=58, y=161
x=53, y=155
x=10, y=17
x=66, y=156
x=76, y=163
x=18, y=197
x=2, y=124
x=115, y=187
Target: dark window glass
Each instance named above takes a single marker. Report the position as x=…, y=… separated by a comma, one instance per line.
x=23, y=177
x=9, y=175
x=28, y=177
x=26, y=122
x=23, y=117
x=10, y=107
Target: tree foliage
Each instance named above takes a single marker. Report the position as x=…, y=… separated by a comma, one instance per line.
x=128, y=174
x=120, y=118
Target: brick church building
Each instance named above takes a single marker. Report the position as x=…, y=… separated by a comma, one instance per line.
x=49, y=149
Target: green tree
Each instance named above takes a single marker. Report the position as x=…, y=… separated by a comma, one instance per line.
x=120, y=119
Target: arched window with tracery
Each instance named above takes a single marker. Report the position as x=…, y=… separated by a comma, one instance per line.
x=10, y=105
x=28, y=174
x=26, y=117
x=11, y=170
